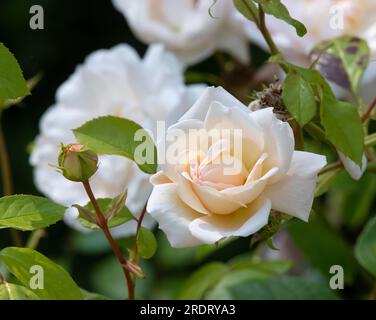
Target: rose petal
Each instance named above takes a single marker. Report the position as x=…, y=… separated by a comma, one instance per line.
x=201, y=107
x=173, y=215
x=294, y=193
x=279, y=141
x=215, y=201
x=250, y=191
x=352, y=168
x=223, y=117
x=242, y=223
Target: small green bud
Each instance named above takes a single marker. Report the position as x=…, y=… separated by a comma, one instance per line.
x=77, y=163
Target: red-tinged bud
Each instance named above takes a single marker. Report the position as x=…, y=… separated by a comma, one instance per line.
x=77, y=163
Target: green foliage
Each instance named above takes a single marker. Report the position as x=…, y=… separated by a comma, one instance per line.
x=25, y=212
x=221, y=291
x=343, y=127
x=342, y=60
x=365, y=249
x=202, y=280
x=247, y=8
x=117, y=136
x=58, y=285
x=299, y=98
x=341, y=120
x=277, y=9
x=323, y=247
x=93, y=296
x=116, y=215
x=146, y=243
x=10, y=291
x=352, y=199
x=325, y=180
x=12, y=82
x=281, y=288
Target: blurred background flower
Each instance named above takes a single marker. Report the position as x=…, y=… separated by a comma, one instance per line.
x=186, y=28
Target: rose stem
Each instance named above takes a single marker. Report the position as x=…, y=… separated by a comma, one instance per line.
x=335, y=165
x=34, y=238
x=135, y=249
x=7, y=181
x=369, y=110
x=102, y=223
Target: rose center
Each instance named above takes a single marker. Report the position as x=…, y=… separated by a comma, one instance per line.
x=228, y=170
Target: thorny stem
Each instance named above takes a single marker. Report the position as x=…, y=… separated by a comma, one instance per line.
x=102, y=223
x=7, y=180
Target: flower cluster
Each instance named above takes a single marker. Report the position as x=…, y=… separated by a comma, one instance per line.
x=196, y=199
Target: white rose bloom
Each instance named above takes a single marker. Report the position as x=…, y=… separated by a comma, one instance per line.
x=197, y=200
x=110, y=82
x=324, y=19
x=186, y=28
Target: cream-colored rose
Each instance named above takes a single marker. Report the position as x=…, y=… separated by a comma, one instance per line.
x=224, y=168
x=186, y=28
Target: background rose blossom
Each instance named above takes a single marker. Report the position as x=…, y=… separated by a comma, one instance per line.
x=185, y=27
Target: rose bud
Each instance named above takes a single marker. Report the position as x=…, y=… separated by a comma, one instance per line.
x=77, y=163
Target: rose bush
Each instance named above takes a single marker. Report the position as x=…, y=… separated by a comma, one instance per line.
x=196, y=201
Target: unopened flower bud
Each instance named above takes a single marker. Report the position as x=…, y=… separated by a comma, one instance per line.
x=77, y=163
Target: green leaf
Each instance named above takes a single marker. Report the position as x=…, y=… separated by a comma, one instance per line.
x=277, y=9
x=146, y=243
x=365, y=248
x=12, y=82
x=271, y=266
x=342, y=60
x=247, y=8
x=93, y=296
x=342, y=123
x=169, y=258
x=281, y=288
x=202, y=280
x=10, y=291
x=117, y=136
x=87, y=214
x=58, y=285
x=221, y=291
x=31, y=84
x=343, y=127
x=322, y=247
x=299, y=98
x=25, y=212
